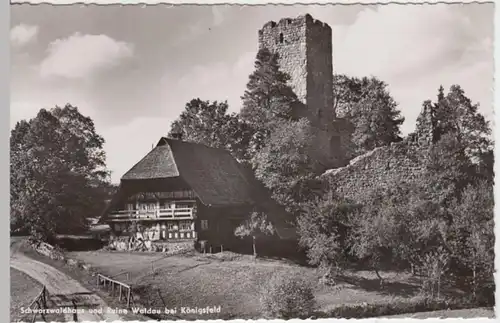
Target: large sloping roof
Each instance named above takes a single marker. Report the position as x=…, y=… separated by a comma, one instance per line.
x=158, y=163
x=212, y=173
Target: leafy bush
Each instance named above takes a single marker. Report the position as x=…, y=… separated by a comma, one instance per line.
x=287, y=297
x=414, y=305
x=322, y=228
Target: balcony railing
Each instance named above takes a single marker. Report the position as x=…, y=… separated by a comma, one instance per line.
x=154, y=213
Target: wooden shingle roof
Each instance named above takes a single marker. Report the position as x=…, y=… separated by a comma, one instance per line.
x=212, y=173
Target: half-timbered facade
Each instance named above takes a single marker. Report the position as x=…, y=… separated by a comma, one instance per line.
x=182, y=191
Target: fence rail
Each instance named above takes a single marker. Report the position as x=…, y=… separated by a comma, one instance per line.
x=39, y=302
x=123, y=289
x=126, y=273
x=178, y=212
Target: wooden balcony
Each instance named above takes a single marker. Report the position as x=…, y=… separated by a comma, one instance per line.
x=175, y=213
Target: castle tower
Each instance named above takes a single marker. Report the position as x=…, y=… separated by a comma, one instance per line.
x=304, y=48
x=426, y=124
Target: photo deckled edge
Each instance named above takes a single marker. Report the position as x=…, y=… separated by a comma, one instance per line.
x=6, y=78
x=253, y=2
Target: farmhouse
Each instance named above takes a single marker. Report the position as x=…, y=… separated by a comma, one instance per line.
x=184, y=192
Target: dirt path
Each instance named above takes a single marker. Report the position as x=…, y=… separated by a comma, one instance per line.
x=64, y=291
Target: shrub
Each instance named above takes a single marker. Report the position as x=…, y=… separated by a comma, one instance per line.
x=366, y=310
x=287, y=297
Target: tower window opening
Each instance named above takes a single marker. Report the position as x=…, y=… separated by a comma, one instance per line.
x=281, y=38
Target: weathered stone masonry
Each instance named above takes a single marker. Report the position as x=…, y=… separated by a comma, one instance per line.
x=304, y=48
x=399, y=162
x=379, y=168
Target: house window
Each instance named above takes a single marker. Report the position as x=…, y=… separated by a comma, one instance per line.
x=169, y=205
x=183, y=205
x=204, y=224
x=185, y=225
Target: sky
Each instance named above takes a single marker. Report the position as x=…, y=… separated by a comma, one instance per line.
x=133, y=68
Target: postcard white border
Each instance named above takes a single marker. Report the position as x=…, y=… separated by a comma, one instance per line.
x=4, y=96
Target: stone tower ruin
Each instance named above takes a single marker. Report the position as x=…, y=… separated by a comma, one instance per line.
x=304, y=48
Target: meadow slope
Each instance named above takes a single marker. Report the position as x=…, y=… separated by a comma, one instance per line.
x=232, y=281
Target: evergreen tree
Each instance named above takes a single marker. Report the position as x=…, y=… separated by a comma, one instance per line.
x=268, y=99
x=455, y=114
x=368, y=105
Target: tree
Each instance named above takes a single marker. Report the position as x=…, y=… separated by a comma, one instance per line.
x=368, y=105
x=485, y=165
x=288, y=163
x=268, y=99
x=448, y=170
x=455, y=114
x=209, y=123
x=57, y=170
x=257, y=225
x=323, y=227
x=376, y=230
x=471, y=234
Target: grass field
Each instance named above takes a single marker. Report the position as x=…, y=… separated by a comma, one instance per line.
x=232, y=281
x=466, y=314
x=18, y=244
x=23, y=289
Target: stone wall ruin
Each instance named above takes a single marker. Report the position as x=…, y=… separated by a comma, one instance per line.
x=381, y=167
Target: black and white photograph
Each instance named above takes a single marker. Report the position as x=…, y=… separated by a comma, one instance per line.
x=203, y=162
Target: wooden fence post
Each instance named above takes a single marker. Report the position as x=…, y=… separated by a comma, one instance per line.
x=128, y=298
x=44, y=297
x=75, y=315
x=41, y=311
x=120, y=297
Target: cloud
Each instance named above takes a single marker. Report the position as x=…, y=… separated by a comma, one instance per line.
x=27, y=109
x=397, y=39
x=218, y=81
x=415, y=49
x=22, y=111
x=122, y=152
x=218, y=15
x=22, y=34
x=80, y=56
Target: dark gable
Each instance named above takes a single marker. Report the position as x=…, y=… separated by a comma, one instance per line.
x=212, y=173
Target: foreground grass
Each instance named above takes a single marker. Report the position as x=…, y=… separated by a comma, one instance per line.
x=87, y=279
x=23, y=290
x=465, y=313
x=232, y=282
x=228, y=280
